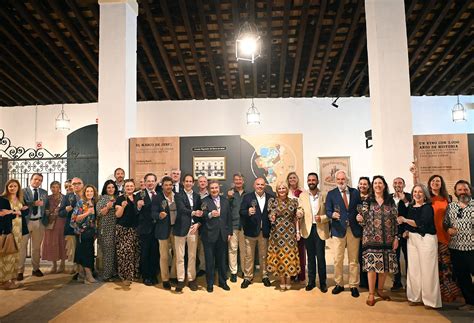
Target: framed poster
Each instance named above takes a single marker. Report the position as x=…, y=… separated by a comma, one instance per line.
x=211, y=167
x=328, y=166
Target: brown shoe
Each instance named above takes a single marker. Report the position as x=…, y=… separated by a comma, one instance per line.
x=19, y=277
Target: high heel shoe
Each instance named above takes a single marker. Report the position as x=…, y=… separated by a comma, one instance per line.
x=370, y=302
x=382, y=295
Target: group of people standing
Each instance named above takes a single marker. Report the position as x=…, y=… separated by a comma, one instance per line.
x=173, y=228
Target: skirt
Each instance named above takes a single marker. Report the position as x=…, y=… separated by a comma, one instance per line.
x=128, y=253
x=449, y=288
x=9, y=263
x=54, y=244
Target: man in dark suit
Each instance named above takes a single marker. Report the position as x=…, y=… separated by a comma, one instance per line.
x=215, y=233
x=341, y=207
x=35, y=198
x=119, y=175
x=146, y=232
x=188, y=221
x=256, y=225
x=163, y=210
x=176, y=177
x=402, y=199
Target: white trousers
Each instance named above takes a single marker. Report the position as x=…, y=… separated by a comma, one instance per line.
x=237, y=242
x=422, y=276
x=180, y=243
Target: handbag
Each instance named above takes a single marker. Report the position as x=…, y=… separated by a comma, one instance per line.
x=8, y=244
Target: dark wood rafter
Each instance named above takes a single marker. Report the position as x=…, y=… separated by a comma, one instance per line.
x=207, y=45
x=362, y=75
x=148, y=83
x=24, y=91
x=18, y=92
x=362, y=44
x=224, y=48
x=314, y=45
x=236, y=20
x=322, y=70
x=192, y=46
x=17, y=98
x=254, y=65
x=463, y=84
x=284, y=46
x=7, y=98
x=159, y=43
x=347, y=42
x=420, y=20
x=182, y=64
x=299, y=46
x=84, y=24
x=268, y=47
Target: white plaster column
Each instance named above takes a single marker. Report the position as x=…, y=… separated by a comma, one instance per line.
x=389, y=79
x=117, y=107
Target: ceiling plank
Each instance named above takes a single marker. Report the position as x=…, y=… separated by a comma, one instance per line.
x=148, y=83
x=207, y=45
x=360, y=78
x=269, y=47
x=464, y=85
x=254, y=65
x=347, y=42
x=24, y=92
x=182, y=64
x=85, y=25
x=299, y=46
x=284, y=46
x=236, y=19
x=421, y=19
x=19, y=98
x=192, y=45
x=355, y=60
x=7, y=98
x=224, y=48
x=314, y=46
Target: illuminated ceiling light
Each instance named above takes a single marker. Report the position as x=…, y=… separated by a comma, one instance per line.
x=253, y=116
x=62, y=120
x=459, y=112
x=248, y=45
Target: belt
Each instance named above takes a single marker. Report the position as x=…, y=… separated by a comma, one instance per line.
x=35, y=219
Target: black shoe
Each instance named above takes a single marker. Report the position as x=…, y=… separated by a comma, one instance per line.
x=19, y=277
x=310, y=287
x=193, y=285
x=323, y=288
x=396, y=287
x=245, y=283
x=154, y=280
x=337, y=289
x=179, y=287
x=167, y=285
x=174, y=281
x=233, y=278
x=266, y=282
x=224, y=287
x=210, y=289
x=148, y=282
x=201, y=273
x=354, y=292
x=37, y=273
x=75, y=276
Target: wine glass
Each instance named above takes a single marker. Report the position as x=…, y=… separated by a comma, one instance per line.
x=338, y=210
x=204, y=206
x=142, y=194
x=254, y=203
x=164, y=204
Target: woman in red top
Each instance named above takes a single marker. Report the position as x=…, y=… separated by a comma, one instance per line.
x=293, y=183
x=440, y=200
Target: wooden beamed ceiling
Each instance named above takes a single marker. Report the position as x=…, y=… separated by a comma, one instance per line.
x=186, y=49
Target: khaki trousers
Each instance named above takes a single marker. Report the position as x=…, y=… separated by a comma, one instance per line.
x=180, y=244
x=36, y=233
x=250, y=244
x=237, y=242
x=70, y=247
x=352, y=244
x=165, y=246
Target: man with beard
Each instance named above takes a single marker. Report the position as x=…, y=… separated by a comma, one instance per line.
x=459, y=223
x=119, y=175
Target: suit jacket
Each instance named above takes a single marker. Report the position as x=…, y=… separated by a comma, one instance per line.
x=253, y=224
x=307, y=221
x=69, y=200
x=163, y=226
x=181, y=188
x=338, y=227
x=146, y=224
x=403, y=211
x=212, y=227
x=42, y=195
x=184, y=219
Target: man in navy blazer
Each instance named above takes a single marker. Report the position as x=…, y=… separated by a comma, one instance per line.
x=341, y=207
x=216, y=231
x=256, y=225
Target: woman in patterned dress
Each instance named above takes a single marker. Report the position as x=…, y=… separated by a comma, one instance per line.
x=282, y=257
x=54, y=243
x=378, y=217
x=12, y=220
x=439, y=201
x=293, y=182
x=106, y=229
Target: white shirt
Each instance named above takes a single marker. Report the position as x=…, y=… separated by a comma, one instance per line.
x=261, y=201
x=348, y=194
x=314, y=202
x=190, y=197
x=38, y=215
x=176, y=187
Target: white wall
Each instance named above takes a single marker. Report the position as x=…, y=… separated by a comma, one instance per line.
x=327, y=131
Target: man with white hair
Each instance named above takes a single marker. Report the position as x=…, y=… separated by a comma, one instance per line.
x=341, y=207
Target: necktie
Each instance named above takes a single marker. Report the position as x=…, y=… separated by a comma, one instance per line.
x=344, y=197
x=35, y=198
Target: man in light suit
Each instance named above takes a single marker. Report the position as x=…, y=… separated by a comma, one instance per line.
x=35, y=198
x=341, y=207
x=314, y=228
x=256, y=225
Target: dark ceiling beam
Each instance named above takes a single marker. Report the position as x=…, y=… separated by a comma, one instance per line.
x=236, y=20
x=329, y=44
x=464, y=85
x=79, y=39
x=421, y=19
x=362, y=76
x=435, y=66
x=6, y=98
x=224, y=48
x=268, y=47
x=151, y=59
x=148, y=83
x=65, y=44
x=54, y=49
x=284, y=47
x=161, y=47
x=18, y=99
x=348, y=40
x=362, y=42
x=86, y=27
x=22, y=91
x=192, y=45
x=141, y=95
x=207, y=45
x=426, y=38
x=455, y=62
x=440, y=39
x=314, y=46
x=254, y=65
x=299, y=46
x=179, y=55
